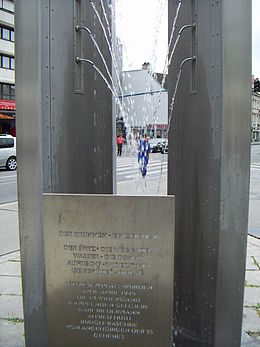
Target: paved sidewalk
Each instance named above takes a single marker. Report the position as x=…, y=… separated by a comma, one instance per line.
x=11, y=312
x=11, y=308
x=251, y=314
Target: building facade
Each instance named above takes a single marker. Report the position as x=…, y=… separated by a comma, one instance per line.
x=145, y=102
x=7, y=68
x=255, y=119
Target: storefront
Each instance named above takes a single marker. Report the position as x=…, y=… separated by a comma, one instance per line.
x=7, y=117
x=158, y=130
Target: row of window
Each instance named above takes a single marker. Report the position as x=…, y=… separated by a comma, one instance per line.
x=7, y=5
x=7, y=91
x=7, y=62
x=7, y=34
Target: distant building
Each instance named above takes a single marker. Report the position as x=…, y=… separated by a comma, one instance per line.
x=7, y=67
x=255, y=116
x=145, y=102
x=255, y=119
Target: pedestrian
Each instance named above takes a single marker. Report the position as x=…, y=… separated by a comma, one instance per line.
x=120, y=141
x=143, y=155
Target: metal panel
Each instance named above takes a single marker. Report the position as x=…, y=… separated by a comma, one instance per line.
x=209, y=148
x=114, y=105
x=64, y=139
x=46, y=97
x=109, y=274
x=29, y=152
x=235, y=166
x=81, y=124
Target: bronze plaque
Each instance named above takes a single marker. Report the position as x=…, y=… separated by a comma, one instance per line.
x=109, y=270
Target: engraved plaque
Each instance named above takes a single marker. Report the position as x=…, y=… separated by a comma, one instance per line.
x=109, y=270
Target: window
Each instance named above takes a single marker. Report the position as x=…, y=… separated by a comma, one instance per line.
x=12, y=63
x=6, y=143
x=7, y=91
x=7, y=34
x=7, y=62
x=7, y=5
x=12, y=92
x=12, y=35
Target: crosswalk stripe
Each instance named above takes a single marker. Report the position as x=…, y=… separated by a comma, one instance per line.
x=128, y=168
x=154, y=173
x=136, y=163
x=154, y=165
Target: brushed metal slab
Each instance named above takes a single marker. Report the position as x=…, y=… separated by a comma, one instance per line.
x=208, y=171
x=109, y=270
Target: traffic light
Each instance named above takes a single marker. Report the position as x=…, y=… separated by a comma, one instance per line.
x=256, y=85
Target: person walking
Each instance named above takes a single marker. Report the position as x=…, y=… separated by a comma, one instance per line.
x=143, y=155
x=120, y=141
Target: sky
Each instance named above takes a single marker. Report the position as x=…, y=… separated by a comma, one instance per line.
x=144, y=33
x=256, y=38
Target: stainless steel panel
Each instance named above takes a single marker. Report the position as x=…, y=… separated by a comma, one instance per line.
x=64, y=139
x=78, y=46
x=30, y=179
x=109, y=270
x=45, y=96
x=81, y=123
x=234, y=172
x=209, y=172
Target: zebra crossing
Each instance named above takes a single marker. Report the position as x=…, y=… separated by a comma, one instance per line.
x=128, y=168
x=255, y=166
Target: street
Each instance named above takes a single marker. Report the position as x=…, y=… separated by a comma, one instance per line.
x=128, y=170
x=8, y=186
x=254, y=196
x=128, y=167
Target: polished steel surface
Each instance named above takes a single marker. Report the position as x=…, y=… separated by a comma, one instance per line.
x=109, y=270
x=209, y=143
x=64, y=129
x=81, y=104
x=234, y=169
x=29, y=173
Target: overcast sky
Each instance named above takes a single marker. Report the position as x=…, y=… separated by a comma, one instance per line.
x=144, y=41
x=143, y=33
x=256, y=39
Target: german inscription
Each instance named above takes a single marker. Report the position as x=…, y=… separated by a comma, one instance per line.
x=109, y=270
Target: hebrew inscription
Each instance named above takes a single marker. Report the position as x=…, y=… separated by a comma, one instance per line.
x=109, y=270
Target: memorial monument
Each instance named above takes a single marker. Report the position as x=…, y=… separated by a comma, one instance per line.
x=208, y=173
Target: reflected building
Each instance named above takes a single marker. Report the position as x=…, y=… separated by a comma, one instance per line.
x=255, y=117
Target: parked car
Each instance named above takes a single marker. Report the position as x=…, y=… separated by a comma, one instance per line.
x=164, y=147
x=8, y=152
x=155, y=145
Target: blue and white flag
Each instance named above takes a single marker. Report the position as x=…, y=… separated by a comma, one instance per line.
x=143, y=155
